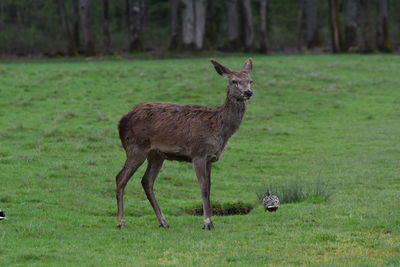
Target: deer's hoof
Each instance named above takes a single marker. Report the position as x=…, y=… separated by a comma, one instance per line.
x=164, y=225
x=208, y=226
x=121, y=225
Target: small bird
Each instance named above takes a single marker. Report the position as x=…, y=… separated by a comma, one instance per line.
x=2, y=215
x=270, y=202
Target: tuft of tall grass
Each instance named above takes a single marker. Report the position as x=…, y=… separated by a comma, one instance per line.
x=297, y=191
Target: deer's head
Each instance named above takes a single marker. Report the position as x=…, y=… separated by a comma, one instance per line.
x=239, y=81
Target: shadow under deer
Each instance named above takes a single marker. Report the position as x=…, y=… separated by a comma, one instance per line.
x=197, y=134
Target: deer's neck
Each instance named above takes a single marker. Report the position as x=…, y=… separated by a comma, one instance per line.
x=232, y=112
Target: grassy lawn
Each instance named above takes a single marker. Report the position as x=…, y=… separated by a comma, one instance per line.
x=313, y=119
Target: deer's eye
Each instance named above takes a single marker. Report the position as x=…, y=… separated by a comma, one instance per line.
x=251, y=82
x=235, y=82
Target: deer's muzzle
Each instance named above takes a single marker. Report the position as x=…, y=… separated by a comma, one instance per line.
x=248, y=93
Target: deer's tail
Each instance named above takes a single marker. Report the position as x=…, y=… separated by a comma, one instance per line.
x=123, y=128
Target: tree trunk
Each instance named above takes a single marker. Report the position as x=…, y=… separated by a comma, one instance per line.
x=193, y=23
x=351, y=25
x=188, y=24
x=311, y=16
x=106, y=28
x=383, y=39
x=300, y=26
x=75, y=23
x=214, y=20
x=334, y=26
x=87, y=27
x=233, y=16
x=71, y=45
x=248, y=30
x=264, y=25
x=135, y=24
x=175, y=24
x=200, y=7
x=366, y=39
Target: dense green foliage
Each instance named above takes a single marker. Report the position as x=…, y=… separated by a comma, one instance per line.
x=315, y=118
x=35, y=26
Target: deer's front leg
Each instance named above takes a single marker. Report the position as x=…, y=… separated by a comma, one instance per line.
x=203, y=172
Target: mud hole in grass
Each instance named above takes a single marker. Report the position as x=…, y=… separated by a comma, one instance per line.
x=224, y=209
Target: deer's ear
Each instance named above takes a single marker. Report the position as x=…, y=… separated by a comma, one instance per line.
x=221, y=69
x=248, y=65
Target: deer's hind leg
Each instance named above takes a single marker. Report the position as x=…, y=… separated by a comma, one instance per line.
x=135, y=158
x=155, y=163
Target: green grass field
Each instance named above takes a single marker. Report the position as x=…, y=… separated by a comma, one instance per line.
x=313, y=119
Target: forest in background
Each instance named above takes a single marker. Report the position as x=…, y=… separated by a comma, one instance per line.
x=96, y=27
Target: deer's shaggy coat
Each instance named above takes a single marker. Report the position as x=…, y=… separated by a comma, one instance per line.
x=198, y=134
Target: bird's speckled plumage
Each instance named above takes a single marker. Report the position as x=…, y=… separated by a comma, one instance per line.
x=271, y=202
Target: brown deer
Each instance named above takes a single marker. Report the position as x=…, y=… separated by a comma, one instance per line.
x=197, y=134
